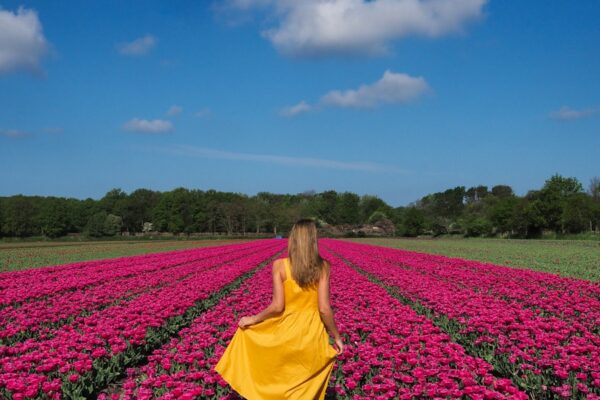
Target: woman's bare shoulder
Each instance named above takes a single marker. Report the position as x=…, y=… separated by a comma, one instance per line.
x=278, y=265
x=279, y=261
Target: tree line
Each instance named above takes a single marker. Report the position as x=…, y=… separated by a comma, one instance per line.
x=562, y=206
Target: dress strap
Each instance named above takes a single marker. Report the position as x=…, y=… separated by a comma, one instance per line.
x=288, y=272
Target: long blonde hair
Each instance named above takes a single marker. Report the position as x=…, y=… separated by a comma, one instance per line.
x=306, y=263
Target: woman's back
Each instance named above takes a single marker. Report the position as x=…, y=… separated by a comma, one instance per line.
x=296, y=298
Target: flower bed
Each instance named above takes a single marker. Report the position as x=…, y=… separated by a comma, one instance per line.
x=90, y=352
x=546, y=356
x=391, y=351
x=28, y=319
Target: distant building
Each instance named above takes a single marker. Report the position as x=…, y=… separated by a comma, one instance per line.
x=147, y=227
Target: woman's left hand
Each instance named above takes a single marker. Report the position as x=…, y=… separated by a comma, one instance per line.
x=246, y=321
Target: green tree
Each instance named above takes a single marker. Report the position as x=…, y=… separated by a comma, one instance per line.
x=328, y=207
x=369, y=204
x=501, y=213
x=2, y=216
x=414, y=222
x=528, y=218
x=577, y=214
x=103, y=224
x=502, y=191
x=80, y=212
x=258, y=210
x=54, y=217
x=95, y=225
x=447, y=204
x=376, y=217
x=348, y=208
x=443, y=209
x=559, y=205
x=232, y=208
x=476, y=194
x=594, y=189
x=596, y=215
x=137, y=208
x=173, y=212
x=477, y=226
x=114, y=201
x=553, y=197
x=112, y=225
x=20, y=212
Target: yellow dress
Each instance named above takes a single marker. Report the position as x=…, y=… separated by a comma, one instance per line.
x=283, y=357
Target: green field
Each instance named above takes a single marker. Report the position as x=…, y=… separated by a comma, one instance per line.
x=15, y=256
x=575, y=258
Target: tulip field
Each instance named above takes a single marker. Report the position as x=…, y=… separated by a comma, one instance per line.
x=415, y=325
x=21, y=255
x=573, y=258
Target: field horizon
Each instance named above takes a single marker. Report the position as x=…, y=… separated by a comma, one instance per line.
x=569, y=258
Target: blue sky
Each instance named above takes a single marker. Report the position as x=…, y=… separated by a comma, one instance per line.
x=396, y=98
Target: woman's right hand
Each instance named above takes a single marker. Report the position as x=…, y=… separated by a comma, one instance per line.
x=339, y=344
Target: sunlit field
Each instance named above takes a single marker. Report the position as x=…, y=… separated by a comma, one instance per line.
x=576, y=258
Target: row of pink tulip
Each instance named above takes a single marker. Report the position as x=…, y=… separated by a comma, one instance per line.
x=407, y=355
x=25, y=320
x=182, y=368
x=26, y=275
x=77, y=358
x=15, y=278
x=544, y=279
x=570, y=299
x=544, y=355
x=391, y=351
x=19, y=286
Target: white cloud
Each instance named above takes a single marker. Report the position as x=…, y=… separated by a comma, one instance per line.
x=174, y=110
x=391, y=88
x=148, y=126
x=22, y=42
x=137, y=47
x=294, y=110
x=13, y=133
x=326, y=27
x=566, y=113
x=203, y=152
x=203, y=113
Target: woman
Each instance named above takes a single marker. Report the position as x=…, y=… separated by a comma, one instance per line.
x=283, y=352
